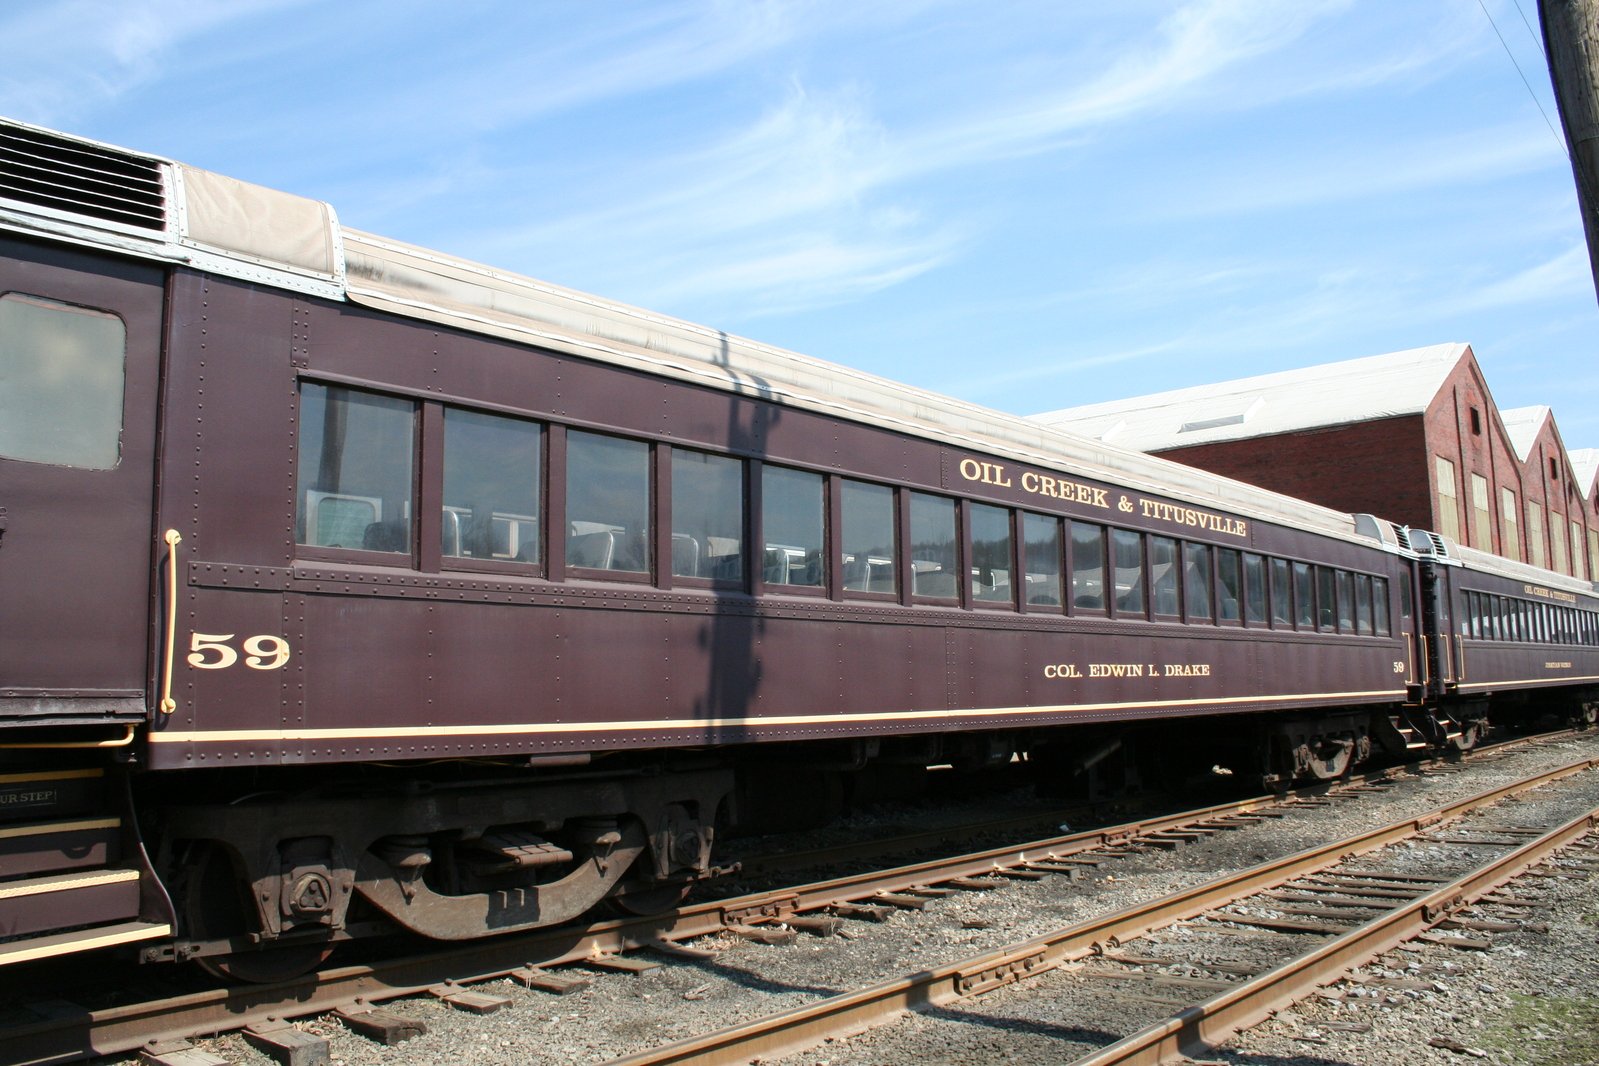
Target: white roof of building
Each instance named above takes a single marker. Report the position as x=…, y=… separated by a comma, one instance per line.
x=1585, y=464
x=1522, y=425
x=1333, y=394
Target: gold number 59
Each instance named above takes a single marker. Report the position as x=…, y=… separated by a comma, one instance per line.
x=211, y=651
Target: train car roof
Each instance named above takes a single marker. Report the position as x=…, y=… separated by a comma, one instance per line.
x=84, y=192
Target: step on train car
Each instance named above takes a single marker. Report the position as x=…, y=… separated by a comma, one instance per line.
x=349, y=588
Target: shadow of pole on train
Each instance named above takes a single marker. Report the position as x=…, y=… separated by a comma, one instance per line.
x=731, y=636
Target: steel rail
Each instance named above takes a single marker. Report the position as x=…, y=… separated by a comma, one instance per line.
x=1198, y=1029
x=790, y=1031
x=73, y=1035
x=125, y=1028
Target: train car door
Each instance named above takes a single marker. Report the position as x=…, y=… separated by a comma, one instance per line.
x=80, y=343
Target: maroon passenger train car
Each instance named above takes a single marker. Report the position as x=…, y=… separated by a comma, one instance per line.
x=346, y=586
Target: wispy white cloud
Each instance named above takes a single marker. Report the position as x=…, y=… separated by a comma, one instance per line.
x=58, y=60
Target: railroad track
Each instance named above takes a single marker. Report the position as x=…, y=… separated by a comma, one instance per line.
x=1359, y=912
x=69, y=1032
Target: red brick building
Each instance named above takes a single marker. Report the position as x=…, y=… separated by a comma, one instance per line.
x=1413, y=437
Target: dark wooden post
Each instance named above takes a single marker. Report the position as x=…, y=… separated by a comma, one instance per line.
x=1571, y=40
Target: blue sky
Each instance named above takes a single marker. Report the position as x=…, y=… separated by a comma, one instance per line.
x=1026, y=205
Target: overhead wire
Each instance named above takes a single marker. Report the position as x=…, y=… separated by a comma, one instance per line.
x=1564, y=148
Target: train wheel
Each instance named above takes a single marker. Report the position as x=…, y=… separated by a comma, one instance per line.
x=646, y=898
x=216, y=907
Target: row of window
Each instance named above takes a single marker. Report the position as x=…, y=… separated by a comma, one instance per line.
x=1481, y=519
x=1490, y=617
x=356, y=476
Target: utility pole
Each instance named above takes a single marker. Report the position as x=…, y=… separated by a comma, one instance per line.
x=1571, y=41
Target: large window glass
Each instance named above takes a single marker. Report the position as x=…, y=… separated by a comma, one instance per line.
x=1041, y=535
x=991, y=554
x=354, y=478
x=61, y=379
x=1282, y=595
x=1127, y=565
x=707, y=516
x=1196, y=580
x=1326, y=600
x=1088, y=567
x=1379, y=606
x=1255, y=589
x=491, y=487
x=607, y=503
x=1304, y=597
x=1363, y=603
x=792, y=517
x=868, y=549
x=1346, y=601
x=1229, y=585
x=1163, y=575
x=934, y=571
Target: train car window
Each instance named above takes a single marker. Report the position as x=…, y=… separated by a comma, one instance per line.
x=868, y=550
x=1363, y=604
x=707, y=517
x=1127, y=564
x=1406, y=603
x=1346, y=600
x=1088, y=568
x=1304, y=596
x=1468, y=621
x=1254, y=589
x=354, y=478
x=1282, y=597
x=1379, y=607
x=991, y=554
x=491, y=487
x=934, y=571
x=1229, y=585
x=1196, y=581
x=792, y=516
x=63, y=369
x=1041, y=538
x=1163, y=576
x=607, y=503
x=1326, y=599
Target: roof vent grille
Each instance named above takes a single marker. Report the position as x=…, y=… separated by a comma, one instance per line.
x=78, y=177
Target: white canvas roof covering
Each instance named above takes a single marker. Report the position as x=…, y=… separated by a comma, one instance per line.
x=1332, y=394
x=1522, y=425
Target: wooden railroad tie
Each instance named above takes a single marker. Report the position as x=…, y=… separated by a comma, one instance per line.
x=382, y=1026
x=286, y=1044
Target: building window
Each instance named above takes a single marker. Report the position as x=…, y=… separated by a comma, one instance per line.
x=1557, y=542
x=1511, y=547
x=1576, y=549
x=1535, y=554
x=1448, y=501
x=1593, y=552
x=1476, y=422
x=1482, y=519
